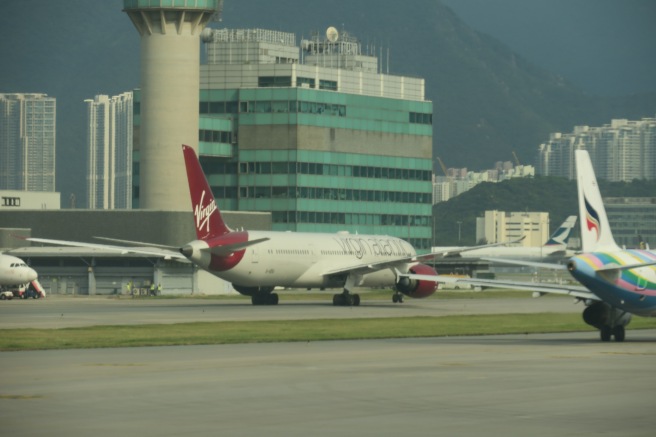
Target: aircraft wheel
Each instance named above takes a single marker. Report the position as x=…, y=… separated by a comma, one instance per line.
x=273, y=299
x=341, y=300
x=344, y=299
x=605, y=333
x=356, y=300
x=619, y=333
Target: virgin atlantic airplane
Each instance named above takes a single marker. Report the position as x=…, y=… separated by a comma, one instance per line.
x=256, y=262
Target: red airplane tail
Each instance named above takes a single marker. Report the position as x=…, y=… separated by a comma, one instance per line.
x=207, y=216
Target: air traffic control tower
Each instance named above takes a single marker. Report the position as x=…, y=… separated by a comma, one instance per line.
x=170, y=61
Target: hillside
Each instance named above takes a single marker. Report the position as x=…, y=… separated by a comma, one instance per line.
x=487, y=100
x=557, y=196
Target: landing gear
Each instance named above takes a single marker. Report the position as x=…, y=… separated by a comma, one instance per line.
x=397, y=297
x=606, y=332
x=346, y=299
x=265, y=299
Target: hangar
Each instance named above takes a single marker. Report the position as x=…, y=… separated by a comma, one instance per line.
x=95, y=271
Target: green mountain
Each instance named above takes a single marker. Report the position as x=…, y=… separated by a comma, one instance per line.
x=488, y=101
x=557, y=196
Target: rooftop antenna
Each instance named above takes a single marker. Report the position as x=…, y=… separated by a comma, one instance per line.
x=332, y=34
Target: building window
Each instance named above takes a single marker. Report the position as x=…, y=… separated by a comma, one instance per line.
x=330, y=85
x=274, y=81
x=305, y=82
x=11, y=201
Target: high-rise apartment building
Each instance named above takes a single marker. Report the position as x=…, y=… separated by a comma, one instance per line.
x=620, y=151
x=109, y=145
x=27, y=142
x=316, y=135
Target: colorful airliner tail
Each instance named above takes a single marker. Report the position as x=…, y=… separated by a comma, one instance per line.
x=207, y=217
x=595, y=230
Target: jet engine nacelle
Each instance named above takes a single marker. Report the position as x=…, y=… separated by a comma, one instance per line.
x=418, y=288
x=600, y=314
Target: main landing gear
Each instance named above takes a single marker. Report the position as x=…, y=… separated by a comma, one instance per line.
x=265, y=299
x=617, y=331
x=346, y=299
x=397, y=297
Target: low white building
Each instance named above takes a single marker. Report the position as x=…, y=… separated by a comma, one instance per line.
x=17, y=199
x=499, y=226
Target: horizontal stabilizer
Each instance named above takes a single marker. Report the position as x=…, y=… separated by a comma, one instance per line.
x=231, y=248
x=137, y=243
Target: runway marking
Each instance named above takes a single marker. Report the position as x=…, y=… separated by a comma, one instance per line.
x=21, y=397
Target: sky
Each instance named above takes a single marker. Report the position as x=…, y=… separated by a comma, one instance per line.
x=606, y=47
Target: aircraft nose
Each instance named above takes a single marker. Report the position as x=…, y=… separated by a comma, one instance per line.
x=31, y=274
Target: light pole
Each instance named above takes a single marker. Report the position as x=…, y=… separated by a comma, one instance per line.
x=459, y=223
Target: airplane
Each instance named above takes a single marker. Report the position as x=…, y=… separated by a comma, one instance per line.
x=14, y=271
x=555, y=247
x=257, y=262
x=614, y=283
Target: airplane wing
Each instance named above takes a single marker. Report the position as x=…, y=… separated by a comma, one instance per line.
x=150, y=251
x=548, y=266
x=537, y=287
x=459, y=250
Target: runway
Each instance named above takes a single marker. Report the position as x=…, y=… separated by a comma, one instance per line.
x=538, y=385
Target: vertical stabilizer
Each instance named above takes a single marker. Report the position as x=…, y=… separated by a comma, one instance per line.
x=561, y=236
x=207, y=217
x=595, y=230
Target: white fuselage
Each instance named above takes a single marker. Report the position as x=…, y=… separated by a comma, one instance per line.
x=14, y=271
x=308, y=260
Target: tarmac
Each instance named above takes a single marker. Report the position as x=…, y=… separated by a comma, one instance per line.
x=540, y=385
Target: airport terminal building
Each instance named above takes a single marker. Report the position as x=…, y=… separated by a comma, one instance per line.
x=315, y=134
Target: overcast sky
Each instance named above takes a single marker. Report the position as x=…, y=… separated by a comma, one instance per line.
x=603, y=46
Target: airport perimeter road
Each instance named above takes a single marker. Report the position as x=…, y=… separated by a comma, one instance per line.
x=67, y=311
x=518, y=385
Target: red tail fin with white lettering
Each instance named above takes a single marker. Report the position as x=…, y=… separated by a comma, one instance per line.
x=207, y=216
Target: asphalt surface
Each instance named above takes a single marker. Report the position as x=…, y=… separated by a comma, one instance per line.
x=68, y=311
x=537, y=385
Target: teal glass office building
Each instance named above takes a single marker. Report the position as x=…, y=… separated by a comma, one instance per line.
x=323, y=141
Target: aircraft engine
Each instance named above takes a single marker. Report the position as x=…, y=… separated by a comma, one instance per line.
x=600, y=315
x=418, y=289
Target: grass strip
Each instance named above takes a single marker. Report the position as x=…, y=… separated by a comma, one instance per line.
x=206, y=333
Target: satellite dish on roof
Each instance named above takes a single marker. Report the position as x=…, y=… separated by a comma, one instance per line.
x=332, y=34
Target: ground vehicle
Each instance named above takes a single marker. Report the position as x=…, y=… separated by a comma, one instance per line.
x=6, y=295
